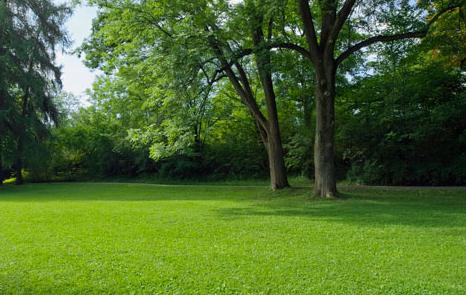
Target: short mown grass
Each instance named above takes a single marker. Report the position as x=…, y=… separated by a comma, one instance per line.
x=83, y=238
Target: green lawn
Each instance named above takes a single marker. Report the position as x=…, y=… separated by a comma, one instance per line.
x=136, y=238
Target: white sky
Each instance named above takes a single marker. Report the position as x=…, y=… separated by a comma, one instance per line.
x=76, y=77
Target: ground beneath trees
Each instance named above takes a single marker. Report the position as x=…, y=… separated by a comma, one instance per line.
x=124, y=238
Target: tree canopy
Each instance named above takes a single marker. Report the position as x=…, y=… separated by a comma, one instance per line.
x=30, y=34
x=371, y=91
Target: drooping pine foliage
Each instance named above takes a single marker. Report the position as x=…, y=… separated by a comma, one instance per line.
x=31, y=32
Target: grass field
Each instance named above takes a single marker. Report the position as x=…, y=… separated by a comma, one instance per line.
x=136, y=238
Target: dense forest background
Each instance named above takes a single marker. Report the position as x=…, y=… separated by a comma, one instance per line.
x=400, y=106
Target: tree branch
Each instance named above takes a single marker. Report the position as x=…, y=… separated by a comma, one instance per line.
x=377, y=39
x=341, y=18
x=394, y=37
x=328, y=14
x=309, y=29
x=279, y=45
x=285, y=45
x=240, y=84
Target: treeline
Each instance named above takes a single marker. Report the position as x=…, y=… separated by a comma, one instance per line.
x=405, y=125
x=214, y=90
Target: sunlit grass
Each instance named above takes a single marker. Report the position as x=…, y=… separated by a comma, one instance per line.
x=9, y=181
x=124, y=238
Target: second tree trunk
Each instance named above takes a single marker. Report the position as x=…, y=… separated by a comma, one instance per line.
x=278, y=176
x=324, y=148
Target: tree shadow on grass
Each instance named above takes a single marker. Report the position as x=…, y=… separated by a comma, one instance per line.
x=370, y=207
x=127, y=192
x=362, y=206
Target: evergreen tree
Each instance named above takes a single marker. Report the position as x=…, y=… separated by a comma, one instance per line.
x=30, y=33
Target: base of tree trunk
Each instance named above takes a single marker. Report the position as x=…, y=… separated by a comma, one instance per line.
x=280, y=186
x=19, y=178
x=326, y=193
x=328, y=196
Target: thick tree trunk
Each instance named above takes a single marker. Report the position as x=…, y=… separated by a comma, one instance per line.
x=307, y=111
x=2, y=177
x=19, y=162
x=278, y=175
x=19, y=172
x=322, y=57
x=268, y=127
x=324, y=148
x=275, y=155
x=2, y=130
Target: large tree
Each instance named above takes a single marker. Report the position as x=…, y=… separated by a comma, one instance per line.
x=327, y=27
x=198, y=38
x=30, y=33
x=238, y=40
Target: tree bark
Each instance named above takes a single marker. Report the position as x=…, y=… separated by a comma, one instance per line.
x=321, y=56
x=277, y=168
x=268, y=126
x=2, y=177
x=19, y=162
x=2, y=130
x=19, y=172
x=278, y=175
x=324, y=149
x=321, y=53
x=307, y=111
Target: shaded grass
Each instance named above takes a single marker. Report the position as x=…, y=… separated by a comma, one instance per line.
x=124, y=238
x=295, y=181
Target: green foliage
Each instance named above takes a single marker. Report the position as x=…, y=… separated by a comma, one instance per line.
x=30, y=33
x=406, y=125
x=162, y=106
